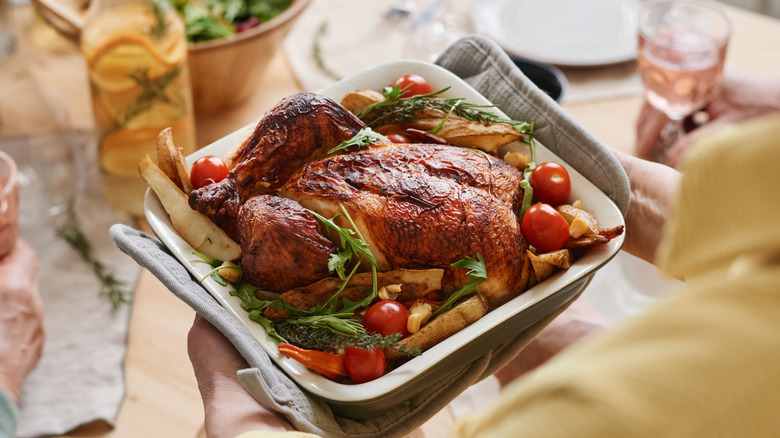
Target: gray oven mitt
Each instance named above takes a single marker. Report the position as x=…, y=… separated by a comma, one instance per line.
x=491, y=72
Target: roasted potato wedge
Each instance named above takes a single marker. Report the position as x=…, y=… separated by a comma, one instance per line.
x=542, y=270
x=357, y=101
x=198, y=230
x=570, y=213
x=171, y=161
x=546, y=264
x=443, y=326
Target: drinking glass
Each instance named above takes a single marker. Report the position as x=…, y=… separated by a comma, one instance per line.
x=35, y=130
x=9, y=204
x=682, y=48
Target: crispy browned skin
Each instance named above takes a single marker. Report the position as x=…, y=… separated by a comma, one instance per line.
x=220, y=202
x=281, y=243
x=300, y=129
x=421, y=206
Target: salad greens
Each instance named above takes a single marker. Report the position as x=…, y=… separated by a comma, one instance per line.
x=211, y=19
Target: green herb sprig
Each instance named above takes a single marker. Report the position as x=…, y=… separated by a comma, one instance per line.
x=477, y=275
x=318, y=339
x=110, y=286
x=396, y=108
x=364, y=137
x=525, y=184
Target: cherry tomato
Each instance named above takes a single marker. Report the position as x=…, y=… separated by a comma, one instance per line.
x=545, y=228
x=416, y=85
x=206, y=170
x=395, y=137
x=551, y=183
x=364, y=365
x=386, y=317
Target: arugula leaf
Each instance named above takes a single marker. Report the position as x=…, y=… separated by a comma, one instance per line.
x=215, y=266
x=477, y=275
x=525, y=184
x=364, y=137
x=351, y=241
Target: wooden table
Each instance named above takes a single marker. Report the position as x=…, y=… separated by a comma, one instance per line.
x=162, y=397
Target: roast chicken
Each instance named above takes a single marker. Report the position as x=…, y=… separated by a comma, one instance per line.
x=418, y=206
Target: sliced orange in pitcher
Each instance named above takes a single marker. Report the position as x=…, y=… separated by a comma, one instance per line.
x=113, y=63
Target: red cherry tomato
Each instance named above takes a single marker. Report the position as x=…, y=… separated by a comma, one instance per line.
x=395, y=137
x=413, y=84
x=364, y=365
x=206, y=170
x=551, y=183
x=545, y=228
x=386, y=317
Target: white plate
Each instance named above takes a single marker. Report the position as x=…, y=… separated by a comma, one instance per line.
x=562, y=32
x=367, y=399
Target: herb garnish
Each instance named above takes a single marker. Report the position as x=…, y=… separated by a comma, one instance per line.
x=110, y=286
x=525, y=184
x=364, y=137
x=477, y=275
x=399, y=109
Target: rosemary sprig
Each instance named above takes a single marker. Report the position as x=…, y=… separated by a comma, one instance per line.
x=110, y=286
x=161, y=27
x=399, y=109
x=318, y=56
x=151, y=92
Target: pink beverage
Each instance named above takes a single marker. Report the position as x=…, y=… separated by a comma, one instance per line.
x=681, y=70
x=9, y=204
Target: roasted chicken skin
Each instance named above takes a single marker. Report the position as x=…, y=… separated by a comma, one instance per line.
x=425, y=206
x=282, y=244
x=299, y=129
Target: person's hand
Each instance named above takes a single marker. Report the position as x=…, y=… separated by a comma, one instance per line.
x=21, y=318
x=742, y=97
x=229, y=409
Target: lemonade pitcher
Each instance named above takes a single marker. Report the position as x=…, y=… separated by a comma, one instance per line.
x=136, y=55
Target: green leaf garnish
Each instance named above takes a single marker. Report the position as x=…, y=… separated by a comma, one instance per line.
x=477, y=273
x=364, y=137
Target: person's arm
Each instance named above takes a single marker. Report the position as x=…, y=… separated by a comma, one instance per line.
x=21, y=329
x=653, y=190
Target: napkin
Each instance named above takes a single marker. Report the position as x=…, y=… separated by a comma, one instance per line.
x=80, y=377
x=485, y=66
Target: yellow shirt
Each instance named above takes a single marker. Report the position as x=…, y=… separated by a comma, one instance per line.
x=705, y=363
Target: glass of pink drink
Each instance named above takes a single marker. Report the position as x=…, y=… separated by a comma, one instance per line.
x=680, y=57
x=9, y=204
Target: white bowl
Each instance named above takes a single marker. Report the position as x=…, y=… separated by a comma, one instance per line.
x=365, y=400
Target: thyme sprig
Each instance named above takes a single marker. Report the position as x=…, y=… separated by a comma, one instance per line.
x=318, y=339
x=397, y=109
x=110, y=286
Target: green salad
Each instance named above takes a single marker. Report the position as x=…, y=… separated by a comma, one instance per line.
x=211, y=19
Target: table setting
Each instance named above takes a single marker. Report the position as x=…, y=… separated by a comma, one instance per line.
x=103, y=373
